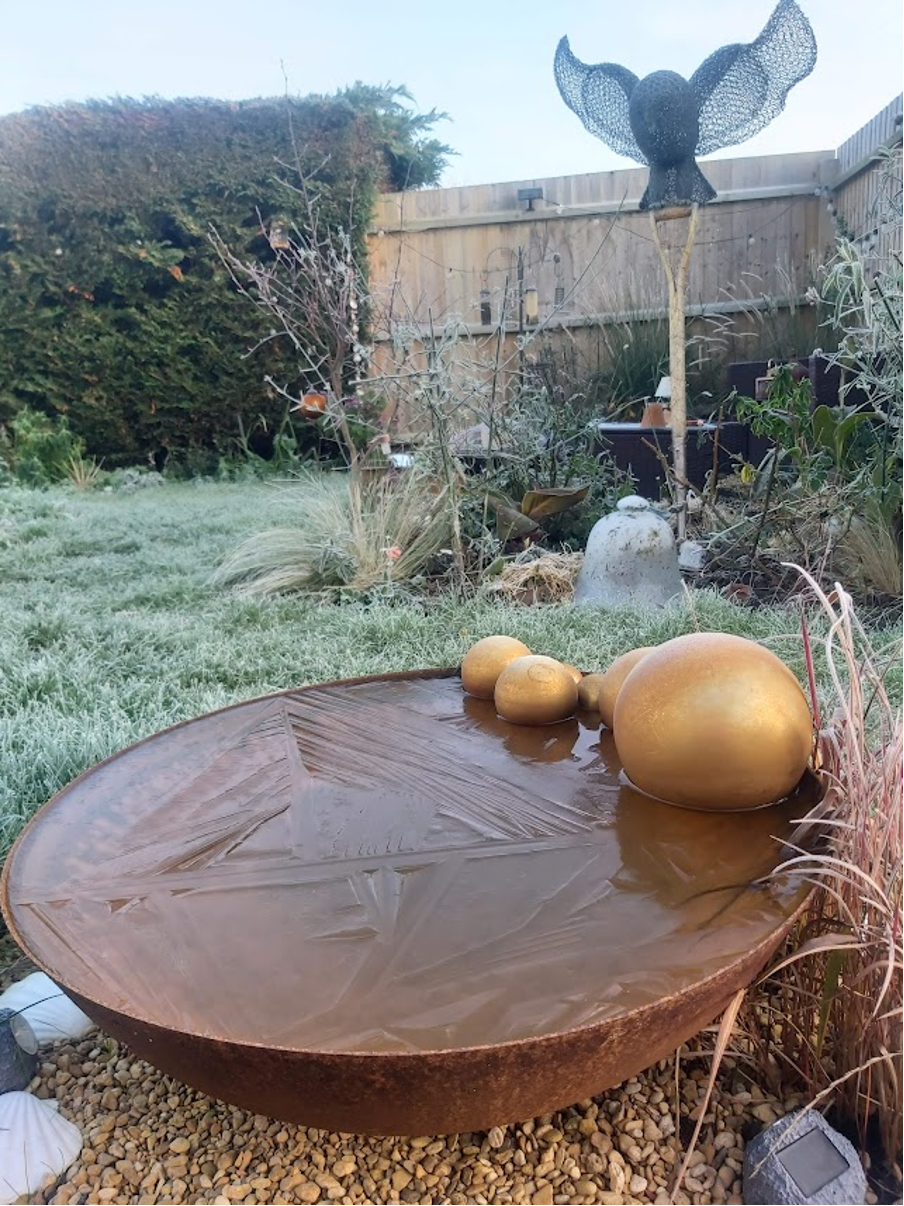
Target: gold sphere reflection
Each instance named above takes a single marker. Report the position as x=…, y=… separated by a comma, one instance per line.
x=589, y=691
x=485, y=661
x=613, y=679
x=535, y=743
x=574, y=672
x=713, y=721
x=535, y=690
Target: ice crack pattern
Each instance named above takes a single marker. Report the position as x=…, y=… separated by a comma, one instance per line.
x=384, y=865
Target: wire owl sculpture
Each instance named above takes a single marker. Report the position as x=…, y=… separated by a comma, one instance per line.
x=666, y=121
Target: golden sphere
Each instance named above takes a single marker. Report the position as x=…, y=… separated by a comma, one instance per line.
x=613, y=679
x=574, y=672
x=485, y=661
x=589, y=692
x=713, y=721
x=535, y=690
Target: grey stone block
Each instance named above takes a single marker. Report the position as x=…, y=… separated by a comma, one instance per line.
x=691, y=556
x=802, y=1160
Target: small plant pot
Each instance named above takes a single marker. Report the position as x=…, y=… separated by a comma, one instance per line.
x=311, y=406
x=655, y=415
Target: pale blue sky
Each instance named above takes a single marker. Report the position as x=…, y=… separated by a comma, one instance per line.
x=489, y=65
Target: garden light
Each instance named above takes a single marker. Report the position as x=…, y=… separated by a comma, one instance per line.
x=531, y=304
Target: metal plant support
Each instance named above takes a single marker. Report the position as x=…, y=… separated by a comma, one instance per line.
x=665, y=122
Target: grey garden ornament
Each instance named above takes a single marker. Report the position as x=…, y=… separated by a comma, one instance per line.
x=666, y=121
x=630, y=560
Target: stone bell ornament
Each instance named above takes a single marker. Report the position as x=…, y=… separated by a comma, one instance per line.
x=666, y=121
x=630, y=561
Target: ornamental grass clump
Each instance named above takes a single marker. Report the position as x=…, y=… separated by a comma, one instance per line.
x=351, y=533
x=829, y=1020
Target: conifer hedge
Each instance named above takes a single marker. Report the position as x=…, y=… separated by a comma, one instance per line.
x=114, y=308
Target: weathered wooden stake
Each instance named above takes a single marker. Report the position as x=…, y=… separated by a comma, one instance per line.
x=677, y=285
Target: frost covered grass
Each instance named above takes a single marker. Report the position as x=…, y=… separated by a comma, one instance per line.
x=110, y=628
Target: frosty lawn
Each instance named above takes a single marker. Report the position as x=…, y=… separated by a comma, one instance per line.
x=109, y=629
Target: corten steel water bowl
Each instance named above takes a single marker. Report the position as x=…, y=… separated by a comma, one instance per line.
x=373, y=906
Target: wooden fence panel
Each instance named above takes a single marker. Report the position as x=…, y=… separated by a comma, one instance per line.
x=459, y=259
x=450, y=254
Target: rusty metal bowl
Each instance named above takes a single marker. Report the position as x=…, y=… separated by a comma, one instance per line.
x=374, y=906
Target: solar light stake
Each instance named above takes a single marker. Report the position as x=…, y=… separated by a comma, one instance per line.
x=18, y=1051
x=677, y=286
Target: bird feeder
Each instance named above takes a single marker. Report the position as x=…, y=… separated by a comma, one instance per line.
x=278, y=237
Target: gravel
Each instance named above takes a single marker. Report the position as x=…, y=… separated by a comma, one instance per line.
x=150, y=1139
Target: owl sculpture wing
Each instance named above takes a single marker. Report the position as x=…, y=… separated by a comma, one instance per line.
x=741, y=88
x=599, y=95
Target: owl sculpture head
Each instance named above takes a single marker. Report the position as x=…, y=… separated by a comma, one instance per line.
x=666, y=121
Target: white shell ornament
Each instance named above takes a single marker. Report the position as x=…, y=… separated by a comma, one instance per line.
x=35, y=1143
x=46, y=1008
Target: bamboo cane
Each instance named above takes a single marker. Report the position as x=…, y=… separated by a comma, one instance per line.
x=677, y=287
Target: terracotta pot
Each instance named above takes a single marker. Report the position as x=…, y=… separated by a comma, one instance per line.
x=654, y=415
x=312, y=406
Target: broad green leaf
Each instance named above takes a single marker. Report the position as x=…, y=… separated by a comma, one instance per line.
x=824, y=425
x=541, y=504
x=846, y=428
x=509, y=520
x=834, y=965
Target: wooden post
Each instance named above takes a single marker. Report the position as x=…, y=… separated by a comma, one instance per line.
x=521, y=316
x=677, y=286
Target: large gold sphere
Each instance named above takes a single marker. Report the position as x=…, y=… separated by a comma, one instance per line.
x=613, y=679
x=589, y=692
x=486, y=660
x=535, y=690
x=713, y=721
x=574, y=672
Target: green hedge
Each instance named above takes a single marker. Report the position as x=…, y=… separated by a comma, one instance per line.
x=114, y=308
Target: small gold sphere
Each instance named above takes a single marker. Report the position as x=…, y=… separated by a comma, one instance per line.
x=713, y=721
x=574, y=672
x=589, y=692
x=613, y=679
x=485, y=661
x=535, y=690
